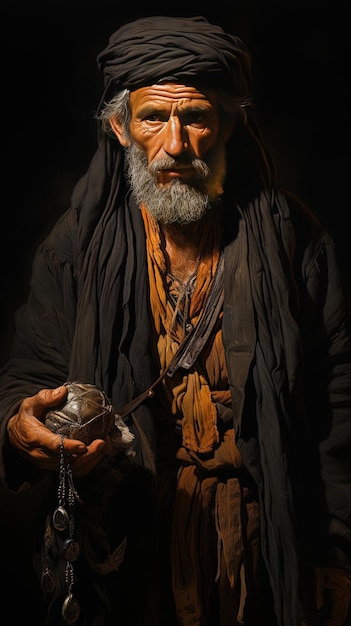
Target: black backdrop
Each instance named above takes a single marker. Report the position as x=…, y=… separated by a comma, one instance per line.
x=51, y=86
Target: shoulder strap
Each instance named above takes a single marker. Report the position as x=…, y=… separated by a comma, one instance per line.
x=193, y=342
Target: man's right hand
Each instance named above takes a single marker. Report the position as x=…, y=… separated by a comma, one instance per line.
x=39, y=445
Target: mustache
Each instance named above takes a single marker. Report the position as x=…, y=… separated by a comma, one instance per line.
x=201, y=169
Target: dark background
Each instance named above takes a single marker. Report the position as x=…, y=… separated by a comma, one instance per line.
x=51, y=87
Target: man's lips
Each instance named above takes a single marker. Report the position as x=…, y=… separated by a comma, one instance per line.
x=167, y=175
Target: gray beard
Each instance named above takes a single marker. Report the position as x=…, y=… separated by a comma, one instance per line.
x=178, y=202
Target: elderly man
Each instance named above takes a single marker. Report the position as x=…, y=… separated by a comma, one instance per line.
x=207, y=305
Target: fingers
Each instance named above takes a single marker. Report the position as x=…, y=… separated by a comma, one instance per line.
x=31, y=438
x=82, y=458
x=39, y=445
x=82, y=465
x=45, y=399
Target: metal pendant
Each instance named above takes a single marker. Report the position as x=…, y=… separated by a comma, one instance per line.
x=48, y=581
x=70, y=549
x=60, y=518
x=70, y=609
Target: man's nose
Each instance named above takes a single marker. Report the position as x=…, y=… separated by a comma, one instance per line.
x=175, y=137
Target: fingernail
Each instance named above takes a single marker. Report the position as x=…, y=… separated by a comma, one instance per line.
x=79, y=450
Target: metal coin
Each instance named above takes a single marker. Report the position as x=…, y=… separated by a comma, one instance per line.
x=70, y=549
x=48, y=581
x=70, y=609
x=60, y=518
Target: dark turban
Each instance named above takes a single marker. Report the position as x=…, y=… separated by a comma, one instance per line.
x=187, y=50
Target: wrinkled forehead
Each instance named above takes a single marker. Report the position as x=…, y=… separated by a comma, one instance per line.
x=173, y=94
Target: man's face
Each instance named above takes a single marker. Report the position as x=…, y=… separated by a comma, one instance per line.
x=177, y=122
x=175, y=151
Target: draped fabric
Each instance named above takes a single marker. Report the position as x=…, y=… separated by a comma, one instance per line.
x=263, y=293
x=217, y=521
x=216, y=534
x=277, y=355
x=192, y=396
x=189, y=50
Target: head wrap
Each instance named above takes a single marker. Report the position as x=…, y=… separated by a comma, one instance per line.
x=187, y=50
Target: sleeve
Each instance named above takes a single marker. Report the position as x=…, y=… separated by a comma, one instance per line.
x=327, y=396
x=44, y=325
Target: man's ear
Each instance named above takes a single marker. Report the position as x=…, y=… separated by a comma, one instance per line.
x=119, y=131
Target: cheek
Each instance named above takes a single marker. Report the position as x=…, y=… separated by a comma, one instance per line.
x=150, y=144
x=202, y=143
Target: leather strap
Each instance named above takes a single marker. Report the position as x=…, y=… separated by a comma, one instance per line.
x=193, y=342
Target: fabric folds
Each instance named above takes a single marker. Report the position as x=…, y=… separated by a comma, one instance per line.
x=185, y=49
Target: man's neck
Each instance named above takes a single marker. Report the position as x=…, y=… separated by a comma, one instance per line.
x=181, y=244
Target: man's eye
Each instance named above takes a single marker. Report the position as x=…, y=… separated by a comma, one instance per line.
x=193, y=119
x=153, y=117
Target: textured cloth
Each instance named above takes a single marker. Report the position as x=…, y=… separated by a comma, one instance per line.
x=190, y=396
x=208, y=557
x=188, y=50
x=215, y=538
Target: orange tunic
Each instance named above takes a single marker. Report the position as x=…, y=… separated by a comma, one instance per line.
x=207, y=544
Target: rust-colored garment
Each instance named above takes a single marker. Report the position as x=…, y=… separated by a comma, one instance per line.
x=190, y=397
x=215, y=540
x=213, y=516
